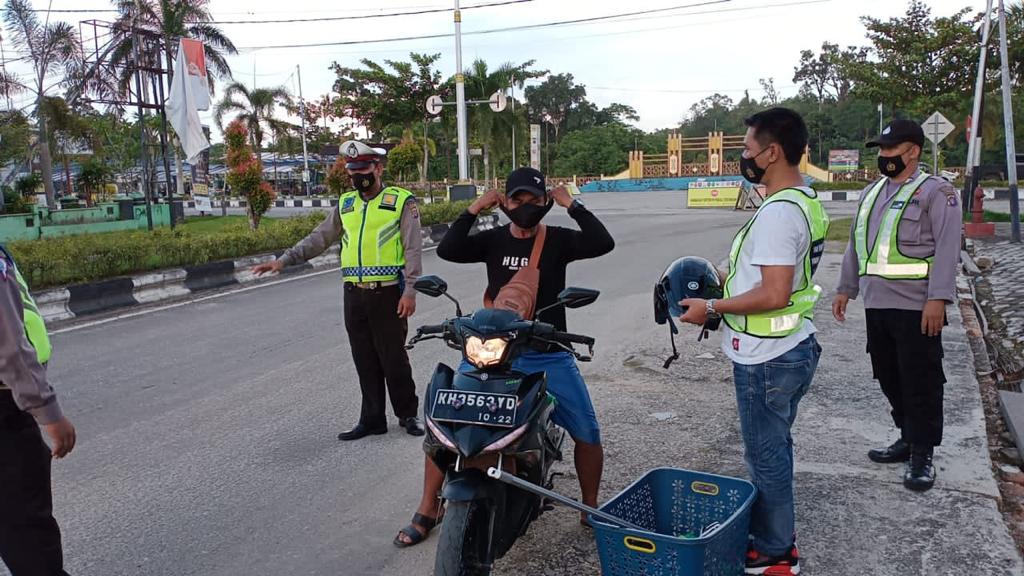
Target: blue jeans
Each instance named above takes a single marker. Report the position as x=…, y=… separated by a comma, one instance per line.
x=767, y=396
x=573, y=409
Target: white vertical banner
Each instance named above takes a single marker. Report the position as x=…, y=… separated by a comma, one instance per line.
x=535, y=146
x=182, y=107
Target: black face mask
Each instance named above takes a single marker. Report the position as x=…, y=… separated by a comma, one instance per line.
x=364, y=182
x=527, y=215
x=750, y=170
x=891, y=166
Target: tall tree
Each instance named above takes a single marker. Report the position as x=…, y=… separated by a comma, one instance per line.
x=920, y=64
x=51, y=48
x=69, y=133
x=552, y=101
x=828, y=74
x=256, y=108
x=379, y=97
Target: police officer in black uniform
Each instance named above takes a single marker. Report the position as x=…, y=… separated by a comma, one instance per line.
x=29, y=536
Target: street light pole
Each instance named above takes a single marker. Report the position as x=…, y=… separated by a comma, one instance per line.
x=460, y=99
x=305, y=152
x=971, y=181
x=1011, y=153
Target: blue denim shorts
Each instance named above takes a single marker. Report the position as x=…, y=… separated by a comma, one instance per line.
x=573, y=409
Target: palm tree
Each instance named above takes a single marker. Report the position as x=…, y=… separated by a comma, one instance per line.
x=492, y=130
x=255, y=108
x=51, y=48
x=68, y=131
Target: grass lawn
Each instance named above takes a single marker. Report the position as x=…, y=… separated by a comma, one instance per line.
x=212, y=224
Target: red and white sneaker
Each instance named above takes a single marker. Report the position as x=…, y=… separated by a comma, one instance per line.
x=786, y=565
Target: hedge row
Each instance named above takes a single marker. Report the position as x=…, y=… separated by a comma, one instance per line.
x=89, y=257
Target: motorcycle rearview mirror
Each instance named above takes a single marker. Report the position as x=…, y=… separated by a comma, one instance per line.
x=432, y=286
x=573, y=298
x=578, y=297
x=435, y=286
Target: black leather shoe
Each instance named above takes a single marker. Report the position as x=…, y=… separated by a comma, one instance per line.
x=920, y=475
x=361, y=431
x=898, y=452
x=412, y=426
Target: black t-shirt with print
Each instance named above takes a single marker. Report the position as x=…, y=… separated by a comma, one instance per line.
x=505, y=254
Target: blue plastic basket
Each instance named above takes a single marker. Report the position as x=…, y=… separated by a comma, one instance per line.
x=670, y=503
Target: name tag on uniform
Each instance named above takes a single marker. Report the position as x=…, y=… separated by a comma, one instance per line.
x=897, y=205
x=348, y=205
x=389, y=201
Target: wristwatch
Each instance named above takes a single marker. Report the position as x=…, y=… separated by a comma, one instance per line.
x=711, y=312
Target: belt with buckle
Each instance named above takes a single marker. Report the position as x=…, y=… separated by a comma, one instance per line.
x=373, y=285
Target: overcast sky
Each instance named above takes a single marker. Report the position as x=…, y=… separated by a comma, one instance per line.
x=659, y=63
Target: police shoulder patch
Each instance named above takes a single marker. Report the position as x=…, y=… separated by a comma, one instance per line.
x=3, y=268
x=951, y=198
x=348, y=204
x=414, y=208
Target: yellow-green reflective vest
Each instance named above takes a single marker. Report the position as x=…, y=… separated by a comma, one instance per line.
x=884, y=259
x=35, y=327
x=371, y=244
x=781, y=323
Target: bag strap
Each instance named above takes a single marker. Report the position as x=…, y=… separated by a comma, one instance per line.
x=538, y=246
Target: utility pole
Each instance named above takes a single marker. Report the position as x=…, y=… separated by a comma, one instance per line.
x=158, y=90
x=514, y=165
x=460, y=99
x=881, y=123
x=142, y=119
x=1011, y=153
x=305, y=151
x=974, y=142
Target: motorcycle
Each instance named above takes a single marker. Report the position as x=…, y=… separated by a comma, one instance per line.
x=491, y=416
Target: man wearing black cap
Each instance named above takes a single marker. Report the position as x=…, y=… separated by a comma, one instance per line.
x=381, y=258
x=903, y=252
x=505, y=250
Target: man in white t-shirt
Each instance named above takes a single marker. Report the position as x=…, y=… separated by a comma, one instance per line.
x=767, y=306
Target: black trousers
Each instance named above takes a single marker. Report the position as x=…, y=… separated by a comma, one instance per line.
x=377, y=336
x=29, y=535
x=908, y=366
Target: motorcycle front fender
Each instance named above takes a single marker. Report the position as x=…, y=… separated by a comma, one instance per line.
x=471, y=484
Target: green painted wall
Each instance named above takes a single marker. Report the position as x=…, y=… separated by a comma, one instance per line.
x=102, y=218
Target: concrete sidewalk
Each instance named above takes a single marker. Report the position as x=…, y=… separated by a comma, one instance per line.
x=853, y=516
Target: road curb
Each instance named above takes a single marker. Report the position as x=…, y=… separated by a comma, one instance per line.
x=78, y=300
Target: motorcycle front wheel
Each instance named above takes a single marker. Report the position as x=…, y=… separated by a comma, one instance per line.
x=463, y=540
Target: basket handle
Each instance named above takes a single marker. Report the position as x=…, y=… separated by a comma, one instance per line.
x=640, y=544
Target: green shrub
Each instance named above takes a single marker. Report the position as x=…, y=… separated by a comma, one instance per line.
x=89, y=257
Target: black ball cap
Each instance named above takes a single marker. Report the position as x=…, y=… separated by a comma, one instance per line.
x=525, y=179
x=898, y=132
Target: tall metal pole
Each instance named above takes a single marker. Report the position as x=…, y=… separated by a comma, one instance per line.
x=305, y=152
x=514, y=165
x=159, y=90
x=971, y=182
x=460, y=99
x=1011, y=152
x=142, y=123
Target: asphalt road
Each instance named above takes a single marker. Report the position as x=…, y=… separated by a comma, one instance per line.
x=207, y=431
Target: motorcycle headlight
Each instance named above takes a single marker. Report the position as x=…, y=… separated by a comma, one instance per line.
x=483, y=353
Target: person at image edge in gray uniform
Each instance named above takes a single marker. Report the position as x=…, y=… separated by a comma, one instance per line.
x=30, y=543
x=902, y=257
x=381, y=258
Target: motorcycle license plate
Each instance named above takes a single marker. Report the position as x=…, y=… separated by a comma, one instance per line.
x=482, y=408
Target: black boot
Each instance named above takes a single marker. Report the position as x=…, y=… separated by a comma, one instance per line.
x=920, y=474
x=899, y=451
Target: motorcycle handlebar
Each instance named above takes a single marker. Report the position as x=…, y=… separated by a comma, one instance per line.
x=431, y=329
x=573, y=338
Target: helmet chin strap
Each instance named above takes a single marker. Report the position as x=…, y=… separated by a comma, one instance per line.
x=703, y=335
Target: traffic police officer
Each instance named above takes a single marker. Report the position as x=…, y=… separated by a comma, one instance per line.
x=903, y=252
x=29, y=536
x=381, y=258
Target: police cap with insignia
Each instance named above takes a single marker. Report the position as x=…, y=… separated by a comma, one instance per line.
x=358, y=155
x=898, y=132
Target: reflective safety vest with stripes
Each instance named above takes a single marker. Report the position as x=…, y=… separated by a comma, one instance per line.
x=371, y=244
x=788, y=320
x=884, y=259
x=35, y=327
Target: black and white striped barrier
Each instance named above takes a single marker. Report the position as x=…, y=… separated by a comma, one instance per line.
x=69, y=302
